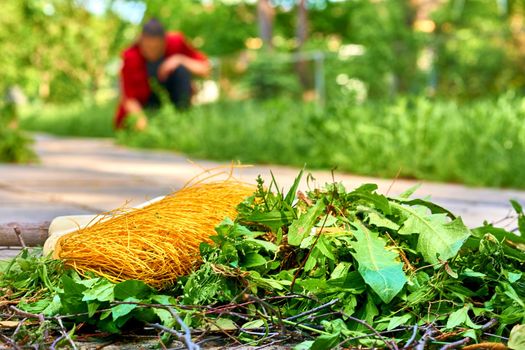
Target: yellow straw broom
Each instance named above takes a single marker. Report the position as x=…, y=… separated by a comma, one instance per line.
x=157, y=243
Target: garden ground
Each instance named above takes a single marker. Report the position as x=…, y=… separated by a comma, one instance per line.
x=82, y=175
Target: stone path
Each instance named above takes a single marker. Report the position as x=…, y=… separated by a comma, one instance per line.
x=80, y=176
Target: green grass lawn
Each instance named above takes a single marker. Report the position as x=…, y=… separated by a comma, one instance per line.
x=477, y=143
x=78, y=119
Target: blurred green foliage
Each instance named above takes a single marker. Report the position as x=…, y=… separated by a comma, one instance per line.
x=268, y=78
x=477, y=143
x=14, y=144
x=218, y=28
x=479, y=47
x=59, y=52
x=470, y=53
x=56, y=50
x=472, y=48
x=75, y=119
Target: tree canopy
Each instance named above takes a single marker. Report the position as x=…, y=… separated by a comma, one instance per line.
x=59, y=50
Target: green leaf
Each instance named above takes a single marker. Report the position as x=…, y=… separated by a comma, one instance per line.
x=324, y=247
x=398, y=321
x=438, y=239
x=518, y=208
x=472, y=273
x=71, y=286
x=341, y=270
x=269, y=246
x=408, y=193
x=471, y=324
x=131, y=289
x=514, y=277
x=378, y=266
x=521, y=216
x=517, y=337
x=122, y=310
x=378, y=220
x=253, y=260
x=54, y=307
x=325, y=341
x=290, y=196
x=237, y=230
x=253, y=324
x=307, y=242
x=512, y=315
x=499, y=233
x=366, y=193
x=224, y=324
x=274, y=219
x=461, y=317
x=36, y=307
x=511, y=293
x=108, y=325
x=369, y=312
x=471, y=333
x=305, y=345
x=101, y=291
x=311, y=262
x=166, y=318
x=105, y=314
x=71, y=297
x=229, y=254
x=433, y=207
x=269, y=283
x=513, y=247
x=164, y=299
x=89, y=283
x=147, y=315
x=92, y=308
x=457, y=317
x=327, y=221
x=301, y=227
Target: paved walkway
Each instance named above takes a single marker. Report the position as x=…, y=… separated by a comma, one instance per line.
x=79, y=176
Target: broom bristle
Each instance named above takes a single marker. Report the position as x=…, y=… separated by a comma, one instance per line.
x=155, y=244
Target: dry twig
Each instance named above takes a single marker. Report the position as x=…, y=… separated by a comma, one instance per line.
x=19, y=236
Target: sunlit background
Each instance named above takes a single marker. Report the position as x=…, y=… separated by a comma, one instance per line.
x=426, y=89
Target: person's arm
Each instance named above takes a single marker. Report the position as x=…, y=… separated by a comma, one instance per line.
x=195, y=66
x=133, y=107
x=194, y=60
x=130, y=101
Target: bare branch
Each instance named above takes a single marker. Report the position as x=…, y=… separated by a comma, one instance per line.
x=19, y=236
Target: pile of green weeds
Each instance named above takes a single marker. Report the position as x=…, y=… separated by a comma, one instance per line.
x=329, y=268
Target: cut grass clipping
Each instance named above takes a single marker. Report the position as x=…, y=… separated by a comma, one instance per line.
x=325, y=269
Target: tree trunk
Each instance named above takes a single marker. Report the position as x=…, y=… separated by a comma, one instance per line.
x=265, y=17
x=301, y=35
x=302, y=24
x=403, y=48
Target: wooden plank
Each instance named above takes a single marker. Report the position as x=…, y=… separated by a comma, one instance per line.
x=34, y=234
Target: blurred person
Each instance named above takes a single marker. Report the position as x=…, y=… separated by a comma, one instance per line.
x=163, y=57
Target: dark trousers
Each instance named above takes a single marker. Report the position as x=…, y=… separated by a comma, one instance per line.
x=178, y=87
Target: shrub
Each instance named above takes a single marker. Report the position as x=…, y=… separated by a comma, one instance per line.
x=478, y=143
x=15, y=146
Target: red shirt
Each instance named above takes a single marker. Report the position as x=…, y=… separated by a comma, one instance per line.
x=134, y=74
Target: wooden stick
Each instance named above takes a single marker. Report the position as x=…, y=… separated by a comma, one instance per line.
x=30, y=234
x=19, y=236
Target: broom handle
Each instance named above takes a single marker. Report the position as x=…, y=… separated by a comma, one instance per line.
x=32, y=233
x=35, y=234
